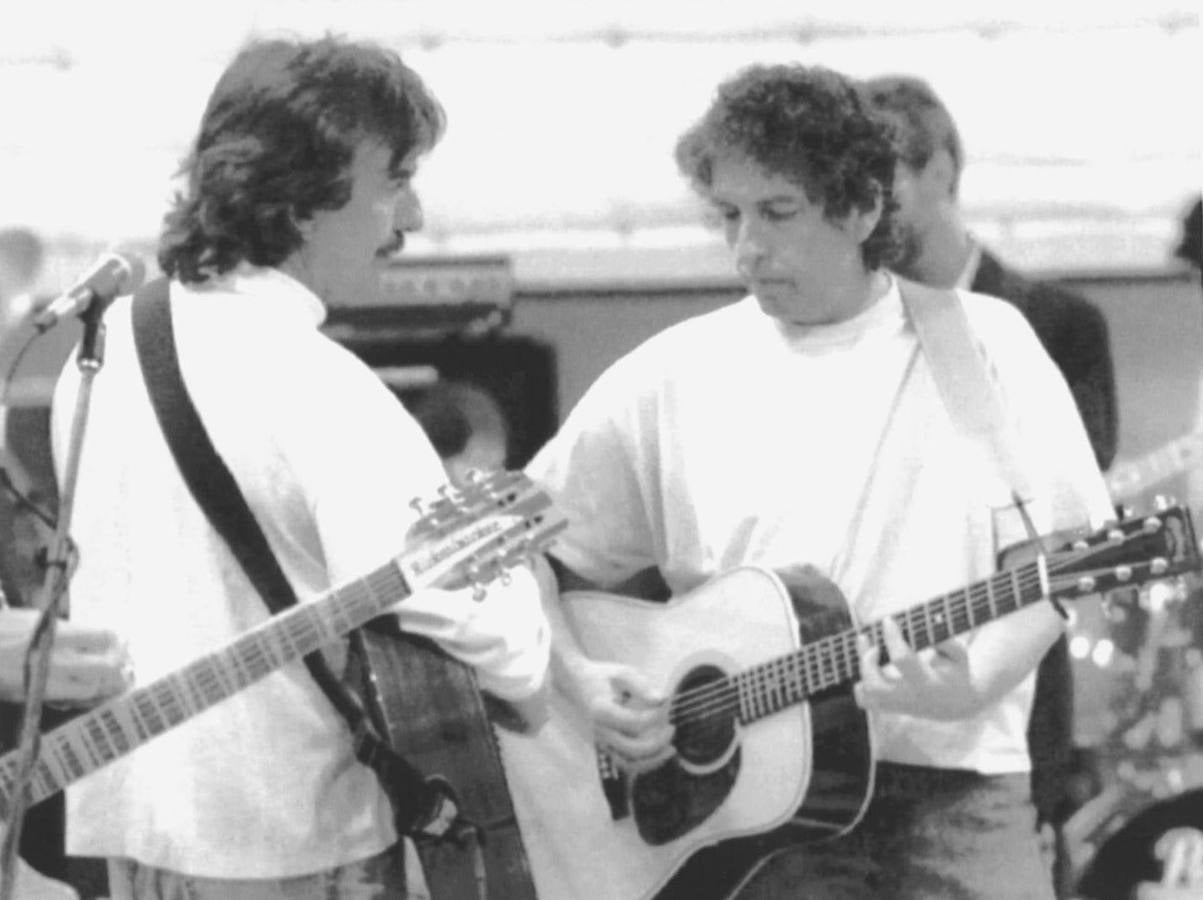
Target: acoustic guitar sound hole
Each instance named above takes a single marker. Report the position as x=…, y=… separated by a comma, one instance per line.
x=704, y=717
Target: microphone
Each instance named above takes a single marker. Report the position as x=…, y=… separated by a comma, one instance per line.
x=110, y=276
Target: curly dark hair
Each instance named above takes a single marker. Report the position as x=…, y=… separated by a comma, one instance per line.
x=810, y=125
x=275, y=145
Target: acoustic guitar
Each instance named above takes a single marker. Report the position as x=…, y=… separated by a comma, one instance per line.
x=467, y=537
x=771, y=749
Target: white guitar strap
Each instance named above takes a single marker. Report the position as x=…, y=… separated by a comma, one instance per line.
x=970, y=395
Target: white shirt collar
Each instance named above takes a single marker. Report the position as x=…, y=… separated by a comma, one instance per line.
x=269, y=288
x=965, y=281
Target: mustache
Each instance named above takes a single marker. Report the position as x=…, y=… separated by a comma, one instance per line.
x=394, y=246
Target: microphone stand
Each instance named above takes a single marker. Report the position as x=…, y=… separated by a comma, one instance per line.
x=90, y=359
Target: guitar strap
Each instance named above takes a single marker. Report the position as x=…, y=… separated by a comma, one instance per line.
x=969, y=394
x=421, y=805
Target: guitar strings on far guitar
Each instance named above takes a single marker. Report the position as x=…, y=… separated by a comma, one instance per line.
x=466, y=537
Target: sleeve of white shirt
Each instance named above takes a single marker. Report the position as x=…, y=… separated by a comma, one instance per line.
x=590, y=468
x=367, y=460
x=1047, y=423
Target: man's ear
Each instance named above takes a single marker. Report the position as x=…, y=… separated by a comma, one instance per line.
x=863, y=221
x=304, y=227
x=942, y=171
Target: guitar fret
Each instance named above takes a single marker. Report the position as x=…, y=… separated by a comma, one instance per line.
x=1016, y=591
x=255, y=656
x=780, y=686
x=110, y=721
x=949, y=615
x=190, y=690
x=64, y=754
x=307, y=636
x=831, y=665
x=747, y=696
x=98, y=741
x=340, y=613
x=761, y=709
x=148, y=713
x=850, y=655
x=168, y=702
x=792, y=689
x=906, y=624
x=814, y=676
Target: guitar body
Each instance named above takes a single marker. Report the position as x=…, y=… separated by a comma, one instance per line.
x=430, y=709
x=701, y=824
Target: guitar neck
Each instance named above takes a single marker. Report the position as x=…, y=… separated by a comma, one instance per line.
x=835, y=659
x=104, y=734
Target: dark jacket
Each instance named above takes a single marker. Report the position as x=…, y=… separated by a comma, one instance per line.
x=1074, y=333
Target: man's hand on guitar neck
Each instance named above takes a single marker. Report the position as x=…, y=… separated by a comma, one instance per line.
x=948, y=682
x=933, y=684
x=86, y=664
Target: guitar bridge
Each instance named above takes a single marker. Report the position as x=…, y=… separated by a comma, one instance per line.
x=614, y=786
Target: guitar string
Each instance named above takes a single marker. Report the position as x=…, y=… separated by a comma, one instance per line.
x=718, y=719
x=917, y=617
x=720, y=696
x=791, y=672
x=969, y=599
x=205, y=681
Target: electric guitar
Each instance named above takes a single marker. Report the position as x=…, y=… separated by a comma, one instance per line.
x=466, y=537
x=771, y=749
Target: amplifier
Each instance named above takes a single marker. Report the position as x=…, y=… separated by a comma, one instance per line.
x=432, y=296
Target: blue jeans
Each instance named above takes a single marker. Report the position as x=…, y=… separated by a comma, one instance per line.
x=375, y=878
x=928, y=834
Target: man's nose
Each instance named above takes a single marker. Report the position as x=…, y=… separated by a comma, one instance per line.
x=408, y=214
x=748, y=243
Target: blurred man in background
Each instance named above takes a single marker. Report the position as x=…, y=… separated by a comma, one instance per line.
x=939, y=250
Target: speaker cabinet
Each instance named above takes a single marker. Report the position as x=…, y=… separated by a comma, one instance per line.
x=463, y=382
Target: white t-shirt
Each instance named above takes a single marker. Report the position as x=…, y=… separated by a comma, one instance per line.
x=733, y=438
x=264, y=784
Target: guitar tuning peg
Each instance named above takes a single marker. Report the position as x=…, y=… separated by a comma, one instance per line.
x=1161, y=502
x=418, y=506
x=478, y=590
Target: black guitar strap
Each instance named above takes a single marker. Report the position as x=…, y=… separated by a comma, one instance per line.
x=421, y=806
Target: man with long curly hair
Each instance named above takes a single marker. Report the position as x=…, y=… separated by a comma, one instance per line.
x=802, y=429
x=299, y=187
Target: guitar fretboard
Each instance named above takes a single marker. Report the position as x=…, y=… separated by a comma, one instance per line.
x=832, y=660
x=107, y=732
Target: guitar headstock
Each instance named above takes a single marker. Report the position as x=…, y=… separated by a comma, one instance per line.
x=475, y=533
x=1129, y=552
